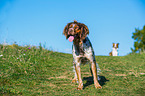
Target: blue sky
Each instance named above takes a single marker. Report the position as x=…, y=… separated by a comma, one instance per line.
x=30, y=22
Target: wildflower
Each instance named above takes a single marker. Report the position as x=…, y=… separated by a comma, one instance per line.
x=142, y=73
x=29, y=48
x=25, y=72
x=23, y=54
x=1, y=55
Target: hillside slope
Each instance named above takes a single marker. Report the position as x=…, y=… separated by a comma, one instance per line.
x=37, y=71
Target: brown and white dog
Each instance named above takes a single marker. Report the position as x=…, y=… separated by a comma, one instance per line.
x=82, y=51
x=114, y=51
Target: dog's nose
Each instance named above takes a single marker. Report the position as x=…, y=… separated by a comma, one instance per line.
x=71, y=30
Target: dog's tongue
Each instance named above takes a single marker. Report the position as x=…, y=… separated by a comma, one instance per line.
x=71, y=38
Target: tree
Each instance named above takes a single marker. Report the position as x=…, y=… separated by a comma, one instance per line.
x=139, y=37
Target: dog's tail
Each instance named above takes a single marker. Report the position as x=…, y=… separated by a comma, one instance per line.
x=98, y=71
x=98, y=68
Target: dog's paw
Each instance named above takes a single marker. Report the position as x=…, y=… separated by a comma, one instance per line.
x=79, y=88
x=98, y=86
x=74, y=81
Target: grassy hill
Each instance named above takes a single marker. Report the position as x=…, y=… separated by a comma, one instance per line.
x=37, y=71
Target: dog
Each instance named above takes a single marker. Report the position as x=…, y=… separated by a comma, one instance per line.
x=114, y=51
x=82, y=51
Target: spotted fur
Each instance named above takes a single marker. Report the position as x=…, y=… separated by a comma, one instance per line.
x=82, y=51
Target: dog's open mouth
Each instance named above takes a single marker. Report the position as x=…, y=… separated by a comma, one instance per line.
x=71, y=38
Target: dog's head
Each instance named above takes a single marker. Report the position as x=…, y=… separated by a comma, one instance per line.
x=116, y=46
x=75, y=31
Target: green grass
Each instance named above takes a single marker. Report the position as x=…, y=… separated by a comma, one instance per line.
x=37, y=71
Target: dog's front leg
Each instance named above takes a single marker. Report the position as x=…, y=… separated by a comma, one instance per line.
x=78, y=72
x=94, y=71
x=75, y=79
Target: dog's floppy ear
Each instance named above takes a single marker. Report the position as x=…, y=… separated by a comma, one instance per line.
x=113, y=44
x=65, y=31
x=84, y=31
x=118, y=45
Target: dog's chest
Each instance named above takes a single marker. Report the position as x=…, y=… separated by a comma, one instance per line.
x=115, y=52
x=85, y=48
x=87, y=51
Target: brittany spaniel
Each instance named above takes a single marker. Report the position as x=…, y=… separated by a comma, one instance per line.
x=82, y=51
x=114, y=50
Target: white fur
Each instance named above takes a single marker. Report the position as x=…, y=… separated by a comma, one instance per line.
x=89, y=54
x=114, y=51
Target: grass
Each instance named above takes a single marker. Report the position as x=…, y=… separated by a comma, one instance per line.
x=34, y=71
